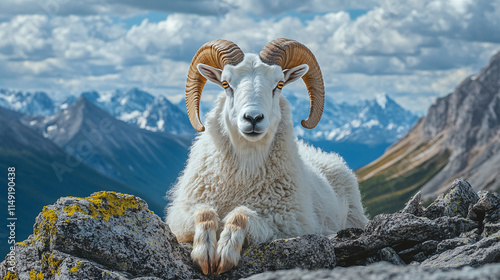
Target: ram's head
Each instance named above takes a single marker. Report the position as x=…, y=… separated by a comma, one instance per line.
x=253, y=83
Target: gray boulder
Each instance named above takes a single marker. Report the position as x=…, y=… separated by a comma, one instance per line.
x=454, y=202
x=104, y=236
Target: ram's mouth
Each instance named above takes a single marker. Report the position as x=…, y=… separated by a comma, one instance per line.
x=252, y=134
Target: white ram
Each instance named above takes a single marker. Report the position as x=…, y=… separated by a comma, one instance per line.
x=248, y=168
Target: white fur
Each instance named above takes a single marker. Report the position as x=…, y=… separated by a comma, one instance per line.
x=282, y=186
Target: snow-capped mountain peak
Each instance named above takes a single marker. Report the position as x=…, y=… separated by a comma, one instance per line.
x=376, y=121
x=380, y=120
x=37, y=103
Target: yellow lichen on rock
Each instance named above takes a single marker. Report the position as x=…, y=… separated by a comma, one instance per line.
x=105, y=205
x=10, y=276
x=74, y=269
x=70, y=210
x=23, y=243
x=36, y=276
x=49, y=262
x=50, y=218
x=115, y=206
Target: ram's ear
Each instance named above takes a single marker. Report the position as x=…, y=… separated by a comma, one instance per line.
x=210, y=73
x=295, y=73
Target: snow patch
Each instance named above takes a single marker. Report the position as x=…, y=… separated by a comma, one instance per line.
x=356, y=123
x=371, y=123
x=381, y=100
x=160, y=124
x=52, y=127
x=126, y=117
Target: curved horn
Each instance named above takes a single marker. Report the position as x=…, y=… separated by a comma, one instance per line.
x=289, y=53
x=217, y=54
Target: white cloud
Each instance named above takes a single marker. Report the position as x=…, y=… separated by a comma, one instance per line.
x=419, y=47
x=53, y=8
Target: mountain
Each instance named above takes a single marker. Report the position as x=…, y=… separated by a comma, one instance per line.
x=149, y=161
x=35, y=160
x=161, y=115
x=459, y=137
x=37, y=103
x=359, y=132
x=370, y=122
x=137, y=107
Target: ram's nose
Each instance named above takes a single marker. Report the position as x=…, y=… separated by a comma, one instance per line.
x=253, y=118
x=253, y=122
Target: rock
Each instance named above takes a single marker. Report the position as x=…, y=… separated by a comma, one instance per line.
x=463, y=239
x=389, y=255
x=308, y=252
x=386, y=271
x=107, y=234
x=114, y=236
x=454, y=202
x=485, y=251
x=413, y=206
x=400, y=231
x=487, y=208
x=490, y=229
x=419, y=252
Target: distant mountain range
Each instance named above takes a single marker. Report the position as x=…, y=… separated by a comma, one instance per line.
x=149, y=161
x=459, y=138
x=360, y=132
x=369, y=122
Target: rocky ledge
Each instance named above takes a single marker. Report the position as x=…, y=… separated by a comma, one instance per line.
x=114, y=236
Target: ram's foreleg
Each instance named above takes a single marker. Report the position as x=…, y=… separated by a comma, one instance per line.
x=205, y=239
x=240, y=224
x=231, y=240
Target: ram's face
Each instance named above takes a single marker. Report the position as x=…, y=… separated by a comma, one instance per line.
x=252, y=103
x=253, y=89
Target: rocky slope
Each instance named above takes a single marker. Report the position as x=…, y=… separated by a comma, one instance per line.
x=459, y=137
x=114, y=236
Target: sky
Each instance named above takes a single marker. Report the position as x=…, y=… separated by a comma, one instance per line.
x=414, y=51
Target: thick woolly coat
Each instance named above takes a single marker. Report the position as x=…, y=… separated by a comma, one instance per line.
x=294, y=189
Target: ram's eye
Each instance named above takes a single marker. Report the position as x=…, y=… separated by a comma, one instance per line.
x=280, y=84
x=225, y=84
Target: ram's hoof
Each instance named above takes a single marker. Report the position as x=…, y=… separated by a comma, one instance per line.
x=224, y=266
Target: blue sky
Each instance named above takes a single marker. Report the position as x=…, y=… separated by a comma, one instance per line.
x=414, y=52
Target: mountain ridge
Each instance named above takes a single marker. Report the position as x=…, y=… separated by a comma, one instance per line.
x=459, y=137
x=148, y=160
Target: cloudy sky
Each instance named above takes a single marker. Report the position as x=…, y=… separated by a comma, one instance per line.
x=414, y=52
